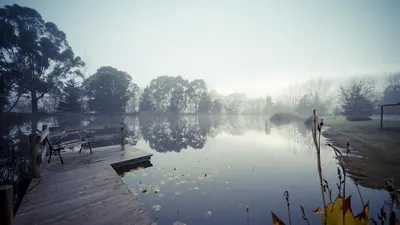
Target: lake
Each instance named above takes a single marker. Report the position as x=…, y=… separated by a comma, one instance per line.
x=211, y=171
x=226, y=169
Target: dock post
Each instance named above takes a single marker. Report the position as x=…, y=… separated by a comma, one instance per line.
x=381, y=116
x=122, y=135
x=34, y=155
x=46, y=149
x=6, y=204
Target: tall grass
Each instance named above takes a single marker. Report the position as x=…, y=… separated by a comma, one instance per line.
x=342, y=204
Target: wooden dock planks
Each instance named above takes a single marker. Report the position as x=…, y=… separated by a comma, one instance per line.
x=85, y=190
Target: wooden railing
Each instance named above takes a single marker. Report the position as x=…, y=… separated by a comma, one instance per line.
x=37, y=153
x=38, y=150
x=97, y=134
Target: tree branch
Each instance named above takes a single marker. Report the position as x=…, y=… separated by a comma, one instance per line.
x=15, y=102
x=41, y=96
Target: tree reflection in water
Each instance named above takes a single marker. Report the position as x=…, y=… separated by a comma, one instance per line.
x=14, y=154
x=162, y=133
x=166, y=134
x=175, y=133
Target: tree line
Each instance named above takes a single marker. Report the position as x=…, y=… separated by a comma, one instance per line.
x=40, y=73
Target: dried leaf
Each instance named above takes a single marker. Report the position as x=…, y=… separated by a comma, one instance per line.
x=335, y=210
x=318, y=211
x=276, y=220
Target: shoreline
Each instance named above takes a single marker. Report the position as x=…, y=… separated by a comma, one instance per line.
x=374, y=156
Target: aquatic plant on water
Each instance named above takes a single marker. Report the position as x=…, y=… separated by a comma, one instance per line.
x=339, y=211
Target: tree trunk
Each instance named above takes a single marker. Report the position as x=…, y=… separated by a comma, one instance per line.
x=2, y=95
x=2, y=104
x=34, y=101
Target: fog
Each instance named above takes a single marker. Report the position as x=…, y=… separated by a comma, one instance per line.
x=258, y=47
x=187, y=77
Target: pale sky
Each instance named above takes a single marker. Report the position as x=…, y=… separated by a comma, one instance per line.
x=250, y=46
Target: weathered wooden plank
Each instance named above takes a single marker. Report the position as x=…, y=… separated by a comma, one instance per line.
x=85, y=190
x=69, y=197
x=43, y=134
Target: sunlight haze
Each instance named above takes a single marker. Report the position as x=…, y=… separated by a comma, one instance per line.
x=199, y=112
x=253, y=47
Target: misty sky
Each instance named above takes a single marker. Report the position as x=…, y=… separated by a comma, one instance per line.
x=250, y=46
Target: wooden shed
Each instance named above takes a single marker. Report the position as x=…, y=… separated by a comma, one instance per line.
x=386, y=104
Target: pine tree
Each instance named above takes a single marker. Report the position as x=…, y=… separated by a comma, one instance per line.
x=70, y=101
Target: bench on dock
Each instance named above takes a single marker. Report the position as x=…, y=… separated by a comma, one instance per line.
x=61, y=139
x=78, y=140
x=87, y=190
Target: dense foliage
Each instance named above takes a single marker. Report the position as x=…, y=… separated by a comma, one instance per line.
x=108, y=90
x=35, y=55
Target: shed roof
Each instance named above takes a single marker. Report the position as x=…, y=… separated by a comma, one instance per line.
x=387, y=103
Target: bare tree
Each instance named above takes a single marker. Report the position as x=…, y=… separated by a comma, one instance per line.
x=312, y=93
x=233, y=103
x=358, y=97
x=254, y=105
x=393, y=80
x=315, y=88
x=391, y=93
x=295, y=93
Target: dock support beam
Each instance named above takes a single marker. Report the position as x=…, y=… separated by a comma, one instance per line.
x=381, y=116
x=6, y=204
x=34, y=155
x=123, y=135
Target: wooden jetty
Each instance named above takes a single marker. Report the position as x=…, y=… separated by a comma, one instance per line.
x=84, y=190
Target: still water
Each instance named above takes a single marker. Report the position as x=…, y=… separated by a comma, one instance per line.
x=234, y=170
x=221, y=170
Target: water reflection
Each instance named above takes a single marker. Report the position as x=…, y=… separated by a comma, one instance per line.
x=14, y=154
x=165, y=134
x=221, y=163
x=239, y=167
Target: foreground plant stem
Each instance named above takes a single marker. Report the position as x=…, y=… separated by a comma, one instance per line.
x=318, y=147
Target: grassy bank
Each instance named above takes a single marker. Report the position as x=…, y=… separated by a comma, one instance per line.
x=379, y=150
